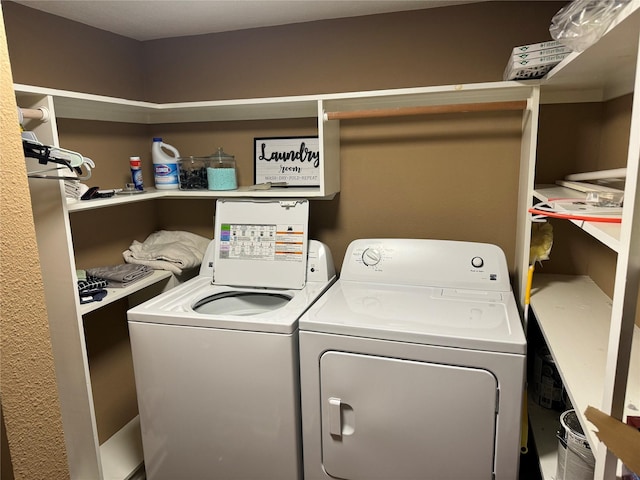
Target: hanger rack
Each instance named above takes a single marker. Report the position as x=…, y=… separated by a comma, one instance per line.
x=428, y=110
x=40, y=113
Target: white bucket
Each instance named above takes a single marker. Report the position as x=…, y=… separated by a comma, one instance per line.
x=575, y=460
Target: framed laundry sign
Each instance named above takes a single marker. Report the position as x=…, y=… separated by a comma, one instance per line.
x=294, y=160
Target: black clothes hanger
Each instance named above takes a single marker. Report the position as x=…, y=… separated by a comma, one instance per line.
x=42, y=153
x=46, y=154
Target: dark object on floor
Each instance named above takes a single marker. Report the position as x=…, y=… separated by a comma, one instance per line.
x=530, y=464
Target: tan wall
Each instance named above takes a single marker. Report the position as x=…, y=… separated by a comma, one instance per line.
x=462, y=44
x=30, y=407
x=438, y=46
x=51, y=51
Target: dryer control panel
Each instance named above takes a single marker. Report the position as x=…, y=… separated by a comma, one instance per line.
x=420, y=262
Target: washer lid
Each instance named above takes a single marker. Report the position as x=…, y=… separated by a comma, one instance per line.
x=261, y=243
x=473, y=319
x=176, y=307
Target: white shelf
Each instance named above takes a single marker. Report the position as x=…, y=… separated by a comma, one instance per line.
x=84, y=106
x=607, y=233
x=574, y=317
x=550, y=192
x=97, y=107
x=544, y=425
x=290, y=192
x=115, y=294
x=428, y=96
x=121, y=455
x=152, y=194
x=603, y=71
x=78, y=205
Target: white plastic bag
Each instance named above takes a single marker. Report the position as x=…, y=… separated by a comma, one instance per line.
x=581, y=23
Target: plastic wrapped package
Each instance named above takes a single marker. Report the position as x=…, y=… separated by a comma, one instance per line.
x=583, y=22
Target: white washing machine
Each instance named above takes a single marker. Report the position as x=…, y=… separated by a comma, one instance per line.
x=412, y=365
x=216, y=358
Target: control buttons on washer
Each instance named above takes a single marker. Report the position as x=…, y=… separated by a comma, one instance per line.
x=371, y=257
x=477, y=262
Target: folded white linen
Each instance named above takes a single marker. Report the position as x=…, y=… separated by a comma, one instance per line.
x=168, y=250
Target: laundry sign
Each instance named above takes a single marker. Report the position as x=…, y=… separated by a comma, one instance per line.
x=293, y=160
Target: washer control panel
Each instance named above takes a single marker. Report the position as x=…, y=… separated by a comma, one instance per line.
x=420, y=262
x=320, y=267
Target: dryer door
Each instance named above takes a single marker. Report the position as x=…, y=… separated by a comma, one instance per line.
x=386, y=418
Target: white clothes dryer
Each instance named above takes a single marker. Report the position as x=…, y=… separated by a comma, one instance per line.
x=412, y=365
x=216, y=358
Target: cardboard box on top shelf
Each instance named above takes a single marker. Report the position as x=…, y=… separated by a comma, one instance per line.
x=537, y=46
x=538, y=67
x=530, y=55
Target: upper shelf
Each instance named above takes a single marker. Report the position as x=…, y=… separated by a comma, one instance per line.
x=86, y=106
x=97, y=107
x=603, y=71
x=429, y=96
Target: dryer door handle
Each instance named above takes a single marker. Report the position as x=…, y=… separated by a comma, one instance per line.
x=335, y=417
x=342, y=420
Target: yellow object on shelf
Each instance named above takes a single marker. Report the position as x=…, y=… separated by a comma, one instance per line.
x=541, y=242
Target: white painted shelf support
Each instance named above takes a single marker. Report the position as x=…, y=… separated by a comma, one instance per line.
x=625, y=298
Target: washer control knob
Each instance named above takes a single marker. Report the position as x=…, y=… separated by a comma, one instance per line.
x=477, y=262
x=371, y=257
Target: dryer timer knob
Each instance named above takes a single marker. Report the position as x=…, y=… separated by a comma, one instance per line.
x=371, y=257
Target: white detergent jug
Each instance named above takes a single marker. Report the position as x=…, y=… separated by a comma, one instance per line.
x=165, y=166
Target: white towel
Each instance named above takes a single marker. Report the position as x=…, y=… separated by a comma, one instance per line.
x=168, y=250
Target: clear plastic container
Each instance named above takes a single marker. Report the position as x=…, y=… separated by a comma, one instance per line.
x=193, y=173
x=605, y=199
x=221, y=171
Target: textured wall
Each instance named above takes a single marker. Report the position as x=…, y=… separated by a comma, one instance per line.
x=28, y=383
